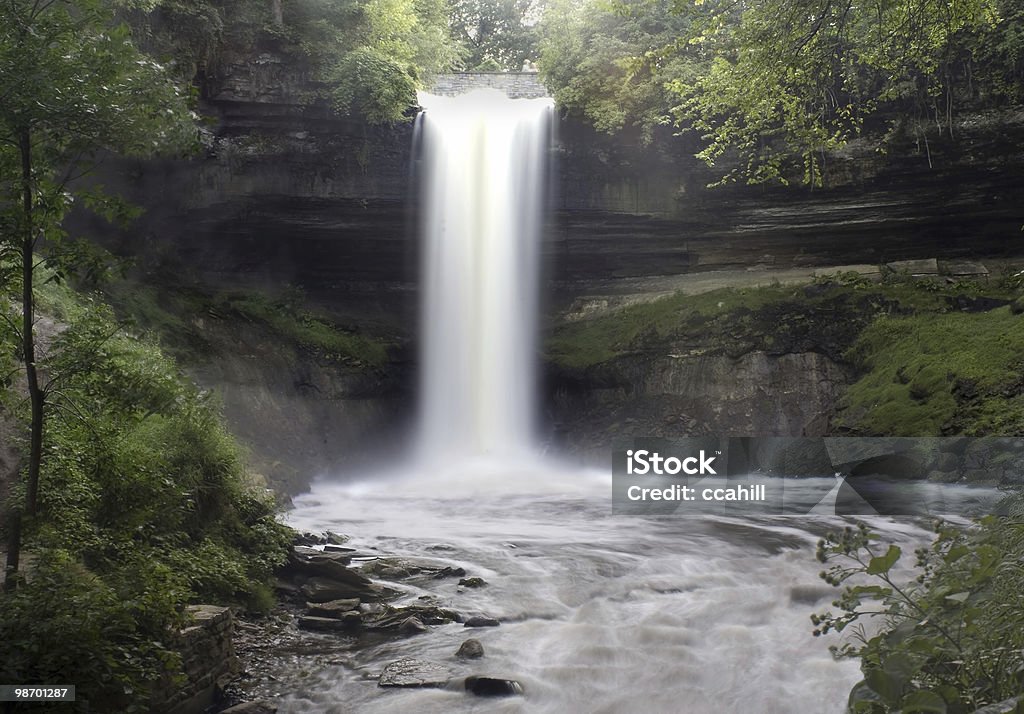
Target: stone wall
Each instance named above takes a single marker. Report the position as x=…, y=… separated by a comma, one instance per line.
x=207, y=662
x=517, y=85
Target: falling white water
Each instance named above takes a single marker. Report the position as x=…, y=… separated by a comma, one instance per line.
x=484, y=160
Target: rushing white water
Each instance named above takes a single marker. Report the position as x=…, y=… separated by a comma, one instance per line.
x=484, y=160
x=599, y=613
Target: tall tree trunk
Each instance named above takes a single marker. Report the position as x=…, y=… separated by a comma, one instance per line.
x=35, y=392
x=278, y=12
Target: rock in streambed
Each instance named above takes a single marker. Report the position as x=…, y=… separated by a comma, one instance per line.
x=410, y=672
x=493, y=687
x=480, y=621
x=470, y=649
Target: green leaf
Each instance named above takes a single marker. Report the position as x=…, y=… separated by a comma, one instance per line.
x=887, y=687
x=863, y=697
x=923, y=702
x=882, y=564
x=871, y=591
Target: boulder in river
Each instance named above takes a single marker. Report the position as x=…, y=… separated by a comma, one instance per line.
x=308, y=539
x=493, y=686
x=414, y=569
x=472, y=582
x=319, y=590
x=409, y=620
x=324, y=590
x=332, y=608
x=335, y=538
x=478, y=621
x=323, y=564
x=412, y=626
x=470, y=649
x=411, y=672
x=323, y=624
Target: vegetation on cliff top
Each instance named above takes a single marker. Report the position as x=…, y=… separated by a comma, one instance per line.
x=931, y=358
x=772, y=87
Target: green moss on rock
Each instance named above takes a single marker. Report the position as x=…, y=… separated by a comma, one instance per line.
x=938, y=373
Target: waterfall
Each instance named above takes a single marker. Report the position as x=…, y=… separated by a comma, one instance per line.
x=484, y=160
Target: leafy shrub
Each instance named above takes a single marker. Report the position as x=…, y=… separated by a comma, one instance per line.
x=144, y=507
x=953, y=640
x=68, y=625
x=373, y=85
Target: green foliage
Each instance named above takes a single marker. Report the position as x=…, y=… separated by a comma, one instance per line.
x=938, y=373
x=371, y=84
x=609, y=62
x=487, y=65
x=287, y=316
x=772, y=88
x=950, y=642
x=186, y=35
x=795, y=79
x=144, y=506
x=90, y=90
x=68, y=624
x=496, y=34
x=373, y=54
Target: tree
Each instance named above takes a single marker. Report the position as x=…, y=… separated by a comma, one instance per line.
x=774, y=86
x=610, y=63
x=496, y=32
x=372, y=55
x=72, y=89
x=796, y=79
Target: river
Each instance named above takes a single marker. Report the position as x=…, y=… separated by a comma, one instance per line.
x=599, y=613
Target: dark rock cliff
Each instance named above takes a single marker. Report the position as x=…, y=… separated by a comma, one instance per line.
x=289, y=193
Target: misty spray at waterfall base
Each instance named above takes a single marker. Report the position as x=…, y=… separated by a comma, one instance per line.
x=598, y=613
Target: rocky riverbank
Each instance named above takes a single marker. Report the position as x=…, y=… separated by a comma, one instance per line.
x=335, y=600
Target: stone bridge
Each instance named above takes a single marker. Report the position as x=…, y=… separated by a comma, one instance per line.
x=517, y=85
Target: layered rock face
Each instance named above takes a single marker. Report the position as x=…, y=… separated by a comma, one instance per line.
x=289, y=193
x=675, y=395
